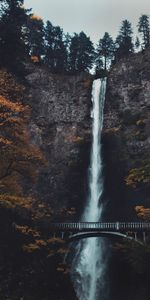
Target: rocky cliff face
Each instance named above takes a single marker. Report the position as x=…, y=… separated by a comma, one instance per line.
x=126, y=135
x=61, y=126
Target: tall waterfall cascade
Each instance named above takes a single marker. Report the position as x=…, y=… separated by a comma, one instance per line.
x=88, y=264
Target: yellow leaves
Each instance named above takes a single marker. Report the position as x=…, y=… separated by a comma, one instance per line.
x=11, y=201
x=139, y=175
x=5, y=115
x=37, y=243
x=9, y=88
x=15, y=122
x=5, y=141
x=35, y=17
x=26, y=230
x=32, y=235
x=34, y=59
x=12, y=120
x=13, y=106
x=41, y=243
x=16, y=147
x=41, y=211
x=32, y=247
x=143, y=212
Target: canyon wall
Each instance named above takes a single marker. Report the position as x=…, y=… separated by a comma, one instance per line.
x=126, y=135
x=61, y=126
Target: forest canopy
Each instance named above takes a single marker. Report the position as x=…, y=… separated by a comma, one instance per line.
x=25, y=36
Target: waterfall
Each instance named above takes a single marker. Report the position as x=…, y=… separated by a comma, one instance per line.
x=88, y=264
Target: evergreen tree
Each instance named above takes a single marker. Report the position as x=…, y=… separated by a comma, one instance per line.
x=124, y=43
x=67, y=42
x=60, y=52
x=49, y=45
x=12, y=33
x=73, y=53
x=81, y=56
x=35, y=39
x=105, y=52
x=99, y=65
x=144, y=30
x=55, y=48
x=137, y=43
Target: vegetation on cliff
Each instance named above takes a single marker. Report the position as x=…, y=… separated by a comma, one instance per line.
x=18, y=156
x=29, y=255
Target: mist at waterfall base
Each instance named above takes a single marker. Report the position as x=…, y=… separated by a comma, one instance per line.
x=88, y=266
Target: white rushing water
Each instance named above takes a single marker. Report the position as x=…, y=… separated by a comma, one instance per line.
x=88, y=263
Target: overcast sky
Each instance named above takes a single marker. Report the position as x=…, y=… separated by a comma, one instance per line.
x=94, y=17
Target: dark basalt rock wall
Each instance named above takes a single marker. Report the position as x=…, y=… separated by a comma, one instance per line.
x=126, y=135
x=61, y=126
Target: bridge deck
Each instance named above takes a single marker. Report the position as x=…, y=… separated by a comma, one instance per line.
x=100, y=226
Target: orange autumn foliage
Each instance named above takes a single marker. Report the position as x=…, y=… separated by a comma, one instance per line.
x=13, y=201
x=13, y=106
x=26, y=230
x=142, y=212
x=35, y=17
x=18, y=156
x=139, y=176
x=16, y=147
x=35, y=59
x=10, y=88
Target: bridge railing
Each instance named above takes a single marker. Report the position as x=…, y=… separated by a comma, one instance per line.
x=100, y=226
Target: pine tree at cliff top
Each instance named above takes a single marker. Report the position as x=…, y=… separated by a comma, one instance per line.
x=12, y=33
x=105, y=51
x=81, y=56
x=55, y=48
x=144, y=29
x=124, y=43
x=35, y=36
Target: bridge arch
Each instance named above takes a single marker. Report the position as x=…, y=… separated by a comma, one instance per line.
x=90, y=234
